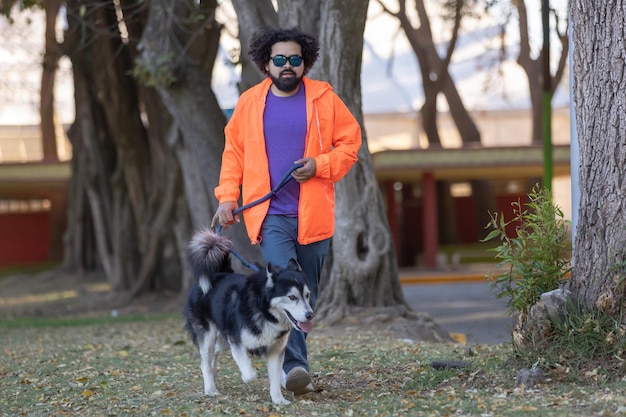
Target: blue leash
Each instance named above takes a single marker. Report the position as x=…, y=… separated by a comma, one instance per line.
x=284, y=180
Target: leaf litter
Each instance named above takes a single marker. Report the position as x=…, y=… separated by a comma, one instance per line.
x=146, y=365
x=151, y=368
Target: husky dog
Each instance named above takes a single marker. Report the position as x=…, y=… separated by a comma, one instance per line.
x=251, y=314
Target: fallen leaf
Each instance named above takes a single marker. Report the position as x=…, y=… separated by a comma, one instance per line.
x=458, y=337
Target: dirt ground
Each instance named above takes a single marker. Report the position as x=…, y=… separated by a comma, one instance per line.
x=58, y=294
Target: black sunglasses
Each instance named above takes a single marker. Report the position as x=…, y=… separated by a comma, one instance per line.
x=281, y=60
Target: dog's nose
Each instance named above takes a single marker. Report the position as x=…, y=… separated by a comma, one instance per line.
x=309, y=315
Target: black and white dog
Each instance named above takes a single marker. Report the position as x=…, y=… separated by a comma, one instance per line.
x=251, y=314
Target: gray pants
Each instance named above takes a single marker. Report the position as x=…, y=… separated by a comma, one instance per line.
x=279, y=243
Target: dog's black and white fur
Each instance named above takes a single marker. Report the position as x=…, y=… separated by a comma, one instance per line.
x=251, y=314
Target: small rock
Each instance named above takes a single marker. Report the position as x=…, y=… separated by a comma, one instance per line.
x=529, y=377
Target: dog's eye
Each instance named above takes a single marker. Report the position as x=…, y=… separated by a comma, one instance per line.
x=293, y=297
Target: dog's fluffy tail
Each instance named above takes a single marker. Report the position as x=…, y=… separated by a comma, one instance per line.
x=208, y=254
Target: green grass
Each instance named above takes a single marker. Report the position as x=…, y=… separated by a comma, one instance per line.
x=471, y=253
x=26, y=322
x=27, y=269
x=147, y=366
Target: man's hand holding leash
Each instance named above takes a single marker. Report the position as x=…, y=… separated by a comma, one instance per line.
x=307, y=171
x=224, y=214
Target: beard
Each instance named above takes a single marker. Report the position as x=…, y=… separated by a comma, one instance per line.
x=286, y=84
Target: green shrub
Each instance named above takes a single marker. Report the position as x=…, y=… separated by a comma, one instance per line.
x=537, y=258
x=578, y=345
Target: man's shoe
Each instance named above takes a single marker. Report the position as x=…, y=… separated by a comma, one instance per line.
x=298, y=381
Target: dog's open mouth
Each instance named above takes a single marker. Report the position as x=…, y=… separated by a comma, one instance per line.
x=303, y=326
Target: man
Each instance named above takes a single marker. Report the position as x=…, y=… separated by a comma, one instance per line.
x=284, y=120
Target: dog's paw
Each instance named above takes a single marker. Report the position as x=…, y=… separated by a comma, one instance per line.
x=280, y=400
x=248, y=377
x=211, y=392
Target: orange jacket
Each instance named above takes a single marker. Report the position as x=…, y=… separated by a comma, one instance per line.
x=333, y=139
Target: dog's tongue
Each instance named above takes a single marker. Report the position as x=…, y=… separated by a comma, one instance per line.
x=306, y=326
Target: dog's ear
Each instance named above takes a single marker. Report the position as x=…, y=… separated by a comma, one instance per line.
x=294, y=265
x=270, y=271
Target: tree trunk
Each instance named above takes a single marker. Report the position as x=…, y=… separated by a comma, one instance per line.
x=429, y=114
x=470, y=135
x=362, y=268
x=125, y=191
x=599, y=93
x=305, y=17
x=252, y=16
x=192, y=104
x=435, y=73
x=93, y=163
x=52, y=53
x=533, y=68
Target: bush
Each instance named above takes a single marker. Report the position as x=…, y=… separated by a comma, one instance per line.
x=537, y=257
x=577, y=344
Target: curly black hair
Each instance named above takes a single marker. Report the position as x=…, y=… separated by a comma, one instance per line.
x=261, y=46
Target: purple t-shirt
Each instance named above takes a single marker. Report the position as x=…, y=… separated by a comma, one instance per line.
x=284, y=127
